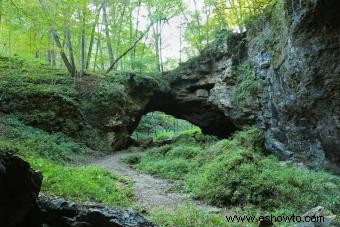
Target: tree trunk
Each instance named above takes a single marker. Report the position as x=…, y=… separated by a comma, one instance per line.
x=70, y=68
x=89, y=53
x=128, y=50
x=82, y=47
x=107, y=34
x=70, y=48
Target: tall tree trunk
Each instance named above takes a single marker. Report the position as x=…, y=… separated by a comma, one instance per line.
x=50, y=53
x=160, y=47
x=82, y=47
x=197, y=17
x=70, y=68
x=93, y=32
x=107, y=33
x=96, y=55
x=70, y=49
x=156, y=41
x=137, y=25
x=120, y=29
x=101, y=54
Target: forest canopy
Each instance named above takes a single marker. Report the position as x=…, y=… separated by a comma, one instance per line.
x=109, y=35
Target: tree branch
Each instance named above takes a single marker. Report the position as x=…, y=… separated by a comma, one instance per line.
x=130, y=48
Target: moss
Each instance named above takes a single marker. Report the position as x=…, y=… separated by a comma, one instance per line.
x=248, y=88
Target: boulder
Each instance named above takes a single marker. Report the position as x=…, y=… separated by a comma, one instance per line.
x=317, y=217
x=19, y=189
x=61, y=213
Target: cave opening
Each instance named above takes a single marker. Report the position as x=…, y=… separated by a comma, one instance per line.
x=160, y=126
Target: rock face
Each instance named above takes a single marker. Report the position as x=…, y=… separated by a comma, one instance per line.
x=282, y=75
x=19, y=189
x=300, y=64
x=202, y=91
x=60, y=213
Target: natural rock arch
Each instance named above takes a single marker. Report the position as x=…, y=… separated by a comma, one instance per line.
x=277, y=76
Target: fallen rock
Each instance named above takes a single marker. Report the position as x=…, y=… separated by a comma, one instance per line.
x=323, y=217
x=61, y=213
x=19, y=189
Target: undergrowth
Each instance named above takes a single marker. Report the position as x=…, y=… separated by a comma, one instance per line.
x=171, y=161
x=236, y=172
x=83, y=184
x=25, y=141
x=188, y=216
x=51, y=154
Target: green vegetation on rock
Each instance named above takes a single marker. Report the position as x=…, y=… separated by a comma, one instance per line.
x=248, y=87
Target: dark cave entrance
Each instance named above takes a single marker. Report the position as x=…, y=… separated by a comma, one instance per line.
x=160, y=126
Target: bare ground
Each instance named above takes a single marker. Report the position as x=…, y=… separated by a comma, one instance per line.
x=150, y=192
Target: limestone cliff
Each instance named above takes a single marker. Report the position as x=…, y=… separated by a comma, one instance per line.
x=283, y=75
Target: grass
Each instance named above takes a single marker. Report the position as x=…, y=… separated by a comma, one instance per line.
x=84, y=184
x=236, y=172
x=27, y=141
x=187, y=216
x=170, y=161
x=52, y=153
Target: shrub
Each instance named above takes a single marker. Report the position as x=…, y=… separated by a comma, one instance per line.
x=168, y=168
x=133, y=159
x=186, y=152
x=236, y=172
x=163, y=136
x=187, y=216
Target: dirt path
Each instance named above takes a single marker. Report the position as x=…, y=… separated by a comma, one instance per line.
x=150, y=191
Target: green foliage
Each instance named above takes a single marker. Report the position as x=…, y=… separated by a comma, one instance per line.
x=164, y=136
x=236, y=172
x=248, y=87
x=160, y=126
x=133, y=159
x=26, y=141
x=191, y=132
x=169, y=161
x=20, y=78
x=85, y=184
x=50, y=153
x=187, y=216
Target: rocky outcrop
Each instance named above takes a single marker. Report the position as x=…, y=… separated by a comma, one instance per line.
x=19, y=189
x=202, y=90
x=298, y=56
x=61, y=213
x=282, y=75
